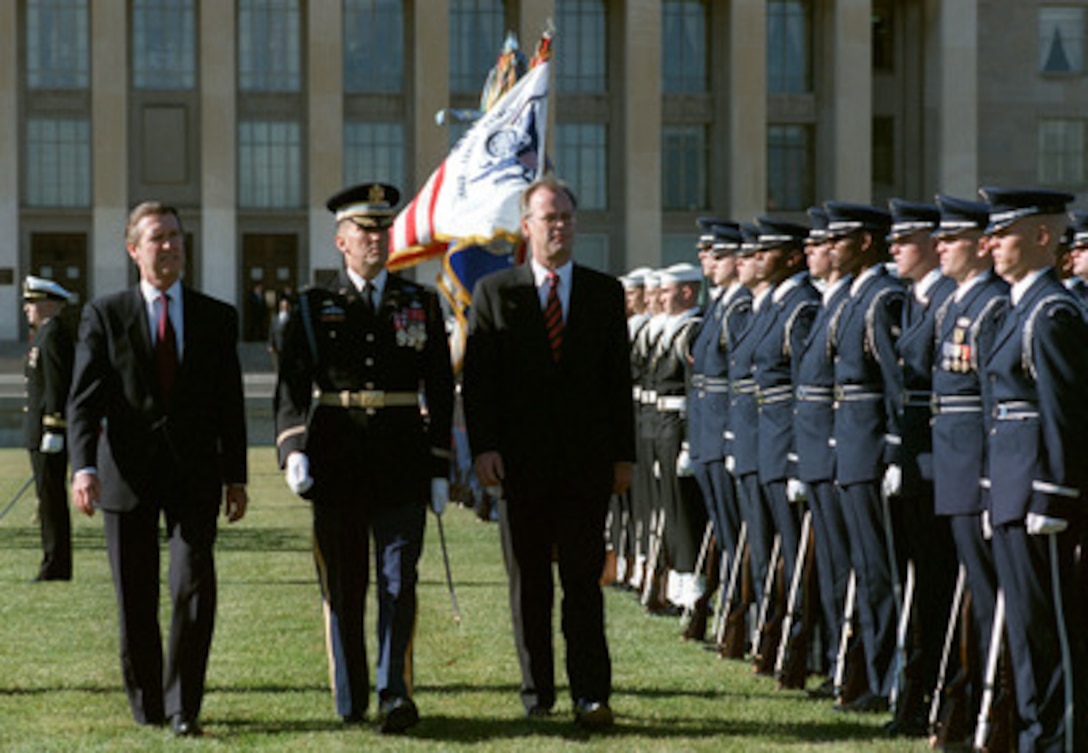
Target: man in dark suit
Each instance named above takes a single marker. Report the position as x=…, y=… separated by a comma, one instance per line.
x=547, y=402
x=156, y=426
x=48, y=378
x=360, y=361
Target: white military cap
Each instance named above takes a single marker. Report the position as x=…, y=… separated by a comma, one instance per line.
x=681, y=273
x=41, y=289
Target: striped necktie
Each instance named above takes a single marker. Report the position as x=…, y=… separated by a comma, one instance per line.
x=553, y=316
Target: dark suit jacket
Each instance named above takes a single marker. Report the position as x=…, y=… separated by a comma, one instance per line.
x=48, y=378
x=573, y=417
x=178, y=458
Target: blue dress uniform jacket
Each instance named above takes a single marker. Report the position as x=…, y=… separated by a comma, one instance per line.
x=743, y=441
x=966, y=330
x=814, y=415
x=915, y=347
x=867, y=378
x=793, y=311
x=376, y=456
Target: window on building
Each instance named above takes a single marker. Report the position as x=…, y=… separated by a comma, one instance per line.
x=883, y=150
x=57, y=44
x=269, y=41
x=582, y=159
x=883, y=38
x=592, y=248
x=684, y=46
x=1061, y=39
x=58, y=162
x=163, y=44
x=374, y=152
x=373, y=46
x=789, y=46
x=1061, y=152
x=270, y=169
x=790, y=168
x=476, y=37
x=582, y=67
x=677, y=248
x=684, y=159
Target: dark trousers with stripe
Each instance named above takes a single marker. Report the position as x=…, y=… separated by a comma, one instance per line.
x=342, y=540
x=50, y=470
x=720, y=500
x=1046, y=642
x=832, y=545
x=976, y=556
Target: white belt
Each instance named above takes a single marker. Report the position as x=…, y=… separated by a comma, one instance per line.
x=672, y=403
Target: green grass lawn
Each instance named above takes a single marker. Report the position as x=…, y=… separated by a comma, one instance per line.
x=60, y=687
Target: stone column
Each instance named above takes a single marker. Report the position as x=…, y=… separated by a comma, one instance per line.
x=9, y=172
x=109, y=138
x=325, y=126
x=220, y=262
x=958, y=107
x=641, y=92
x=747, y=108
x=852, y=94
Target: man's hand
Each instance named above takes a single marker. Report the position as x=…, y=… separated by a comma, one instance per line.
x=52, y=443
x=489, y=468
x=1042, y=525
x=795, y=491
x=85, y=491
x=621, y=477
x=892, y=485
x=235, y=501
x=297, y=473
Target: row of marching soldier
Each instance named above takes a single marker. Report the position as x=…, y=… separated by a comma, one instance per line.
x=869, y=467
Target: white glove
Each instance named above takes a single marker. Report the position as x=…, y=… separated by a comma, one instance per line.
x=657, y=469
x=795, y=490
x=893, y=481
x=1040, y=525
x=683, y=462
x=730, y=464
x=297, y=473
x=52, y=443
x=440, y=495
x=987, y=527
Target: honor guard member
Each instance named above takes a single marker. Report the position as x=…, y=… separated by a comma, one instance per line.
x=48, y=378
x=866, y=436
x=966, y=326
x=647, y=498
x=708, y=394
x=922, y=541
x=791, y=308
x=364, y=405
x=813, y=427
x=683, y=511
x=742, y=439
x=1038, y=477
x=1078, y=252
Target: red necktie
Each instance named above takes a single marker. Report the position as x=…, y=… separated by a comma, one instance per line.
x=166, y=351
x=553, y=316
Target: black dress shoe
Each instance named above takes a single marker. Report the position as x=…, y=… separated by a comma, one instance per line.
x=592, y=715
x=353, y=718
x=538, y=712
x=183, y=726
x=866, y=703
x=908, y=725
x=824, y=691
x=395, y=715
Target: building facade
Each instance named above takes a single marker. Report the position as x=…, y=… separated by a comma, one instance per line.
x=247, y=114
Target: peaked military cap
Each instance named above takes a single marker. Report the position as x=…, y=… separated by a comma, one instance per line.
x=749, y=239
x=1079, y=226
x=817, y=218
x=1008, y=205
x=727, y=238
x=844, y=218
x=43, y=289
x=959, y=215
x=910, y=217
x=369, y=205
x=774, y=233
x=706, y=229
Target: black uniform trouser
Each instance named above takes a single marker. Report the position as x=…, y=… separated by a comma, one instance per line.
x=1046, y=643
x=50, y=470
x=646, y=498
x=875, y=603
x=720, y=502
x=685, y=515
x=132, y=543
x=760, y=528
x=568, y=515
x=976, y=556
x=342, y=536
x=832, y=563
x=926, y=540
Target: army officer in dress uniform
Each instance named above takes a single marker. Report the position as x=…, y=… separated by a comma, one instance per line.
x=48, y=377
x=364, y=404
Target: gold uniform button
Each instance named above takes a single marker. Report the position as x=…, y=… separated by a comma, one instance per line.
x=370, y=385
x=369, y=337
x=369, y=362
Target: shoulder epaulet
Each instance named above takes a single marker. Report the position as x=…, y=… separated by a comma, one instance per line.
x=886, y=295
x=1053, y=304
x=992, y=306
x=802, y=307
